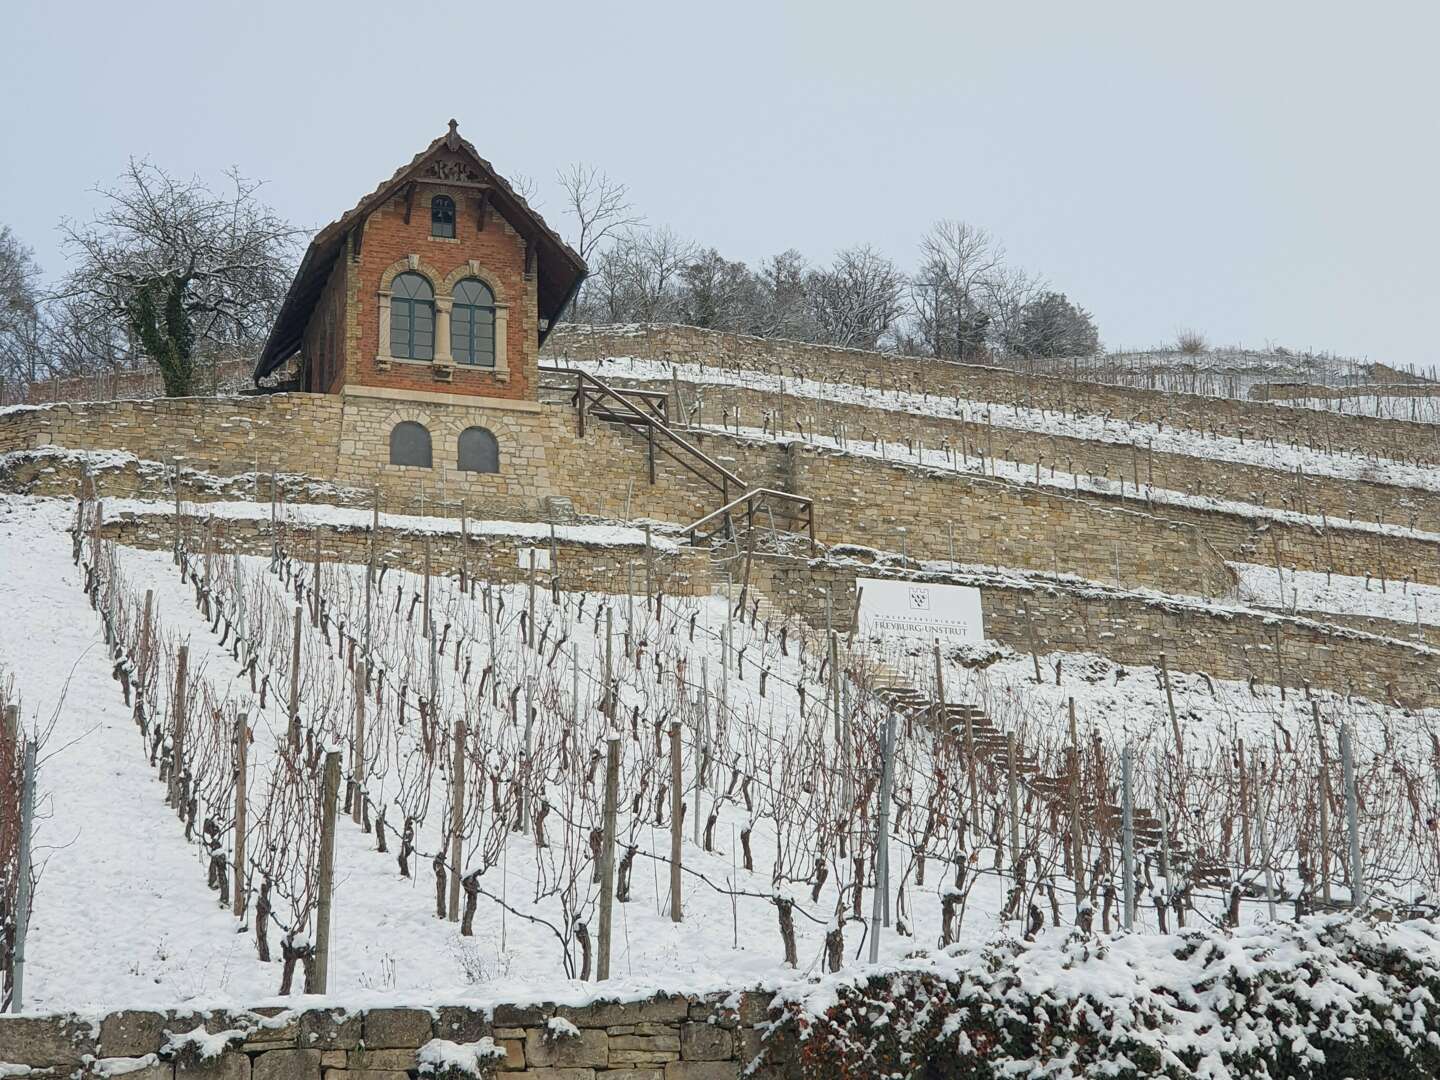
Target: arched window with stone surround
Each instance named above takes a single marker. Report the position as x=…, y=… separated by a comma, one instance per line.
x=412, y=317
x=442, y=216
x=472, y=324
x=479, y=451
x=410, y=444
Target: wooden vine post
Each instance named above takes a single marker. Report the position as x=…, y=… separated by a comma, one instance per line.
x=357, y=802
x=677, y=810
x=330, y=795
x=295, y=682
x=242, y=747
x=177, y=725
x=457, y=818
x=1076, y=835
x=607, y=853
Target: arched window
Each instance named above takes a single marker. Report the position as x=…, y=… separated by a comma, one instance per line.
x=442, y=216
x=410, y=444
x=479, y=451
x=412, y=318
x=472, y=324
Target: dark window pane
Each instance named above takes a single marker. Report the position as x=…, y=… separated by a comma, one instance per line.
x=410, y=444
x=471, y=291
x=442, y=216
x=412, y=286
x=479, y=451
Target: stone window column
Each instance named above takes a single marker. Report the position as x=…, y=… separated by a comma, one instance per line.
x=502, y=326
x=443, y=304
x=382, y=353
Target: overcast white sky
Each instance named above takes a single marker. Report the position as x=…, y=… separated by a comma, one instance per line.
x=1263, y=172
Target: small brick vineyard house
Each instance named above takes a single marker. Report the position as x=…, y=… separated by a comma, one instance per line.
x=441, y=279
x=421, y=312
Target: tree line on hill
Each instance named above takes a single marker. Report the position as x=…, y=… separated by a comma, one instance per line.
x=177, y=273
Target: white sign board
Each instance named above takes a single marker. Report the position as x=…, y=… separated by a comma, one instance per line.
x=542, y=558
x=920, y=610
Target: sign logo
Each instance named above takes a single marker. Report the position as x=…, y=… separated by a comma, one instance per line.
x=920, y=599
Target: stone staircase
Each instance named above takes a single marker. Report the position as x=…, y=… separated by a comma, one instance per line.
x=1053, y=790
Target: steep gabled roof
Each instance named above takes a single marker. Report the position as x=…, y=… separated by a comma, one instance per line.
x=559, y=270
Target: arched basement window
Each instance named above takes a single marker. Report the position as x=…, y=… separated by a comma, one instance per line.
x=410, y=444
x=412, y=318
x=479, y=451
x=472, y=324
x=442, y=216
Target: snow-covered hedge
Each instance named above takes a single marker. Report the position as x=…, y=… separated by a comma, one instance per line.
x=1327, y=997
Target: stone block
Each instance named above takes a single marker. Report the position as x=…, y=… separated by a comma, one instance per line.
x=156, y=1070
x=755, y=1006
x=272, y=1028
x=702, y=1070
x=521, y=1015
x=556, y=1074
x=394, y=1059
x=330, y=1029
x=634, y=1074
x=131, y=1033
x=375, y=1074
x=287, y=1065
x=231, y=1065
x=705, y=1042
x=514, y=1053
x=667, y=1041
x=591, y=1048
x=397, y=1027
x=643, y=1057
x=45, y=1040
x=658, y=1010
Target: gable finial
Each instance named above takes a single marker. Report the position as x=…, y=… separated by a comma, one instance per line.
x=452, y=140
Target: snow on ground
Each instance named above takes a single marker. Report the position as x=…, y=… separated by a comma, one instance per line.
x=1309, y=591
x=1056, y=479
x=1342, y=465
x=123, y=915
x=360, y=518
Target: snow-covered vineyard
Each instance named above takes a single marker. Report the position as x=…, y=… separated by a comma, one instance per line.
x=503, y=711
x=263, y=775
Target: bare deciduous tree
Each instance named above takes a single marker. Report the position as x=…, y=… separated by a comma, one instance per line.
x=184, y=268
x=637, y=278
x=599, y=205
x=856, y=301
x=957, y=265
x=782, y=310
x=19, y=307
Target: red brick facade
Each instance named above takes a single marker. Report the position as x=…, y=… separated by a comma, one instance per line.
x=337, y=313
x=353, y=299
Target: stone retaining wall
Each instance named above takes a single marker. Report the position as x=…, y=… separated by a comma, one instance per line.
x=864, y=500
x=1222, y=642
x=344, y=440
x=607, y=568
x=688, y=344
x=715, y=1037
x=1124, y=463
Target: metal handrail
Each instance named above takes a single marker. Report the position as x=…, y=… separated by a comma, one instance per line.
x=651, y=422
x=587, y=385
x=753, y=500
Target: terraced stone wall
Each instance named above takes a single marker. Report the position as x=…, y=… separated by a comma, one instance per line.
x=688, y=344
x=717, y=1037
